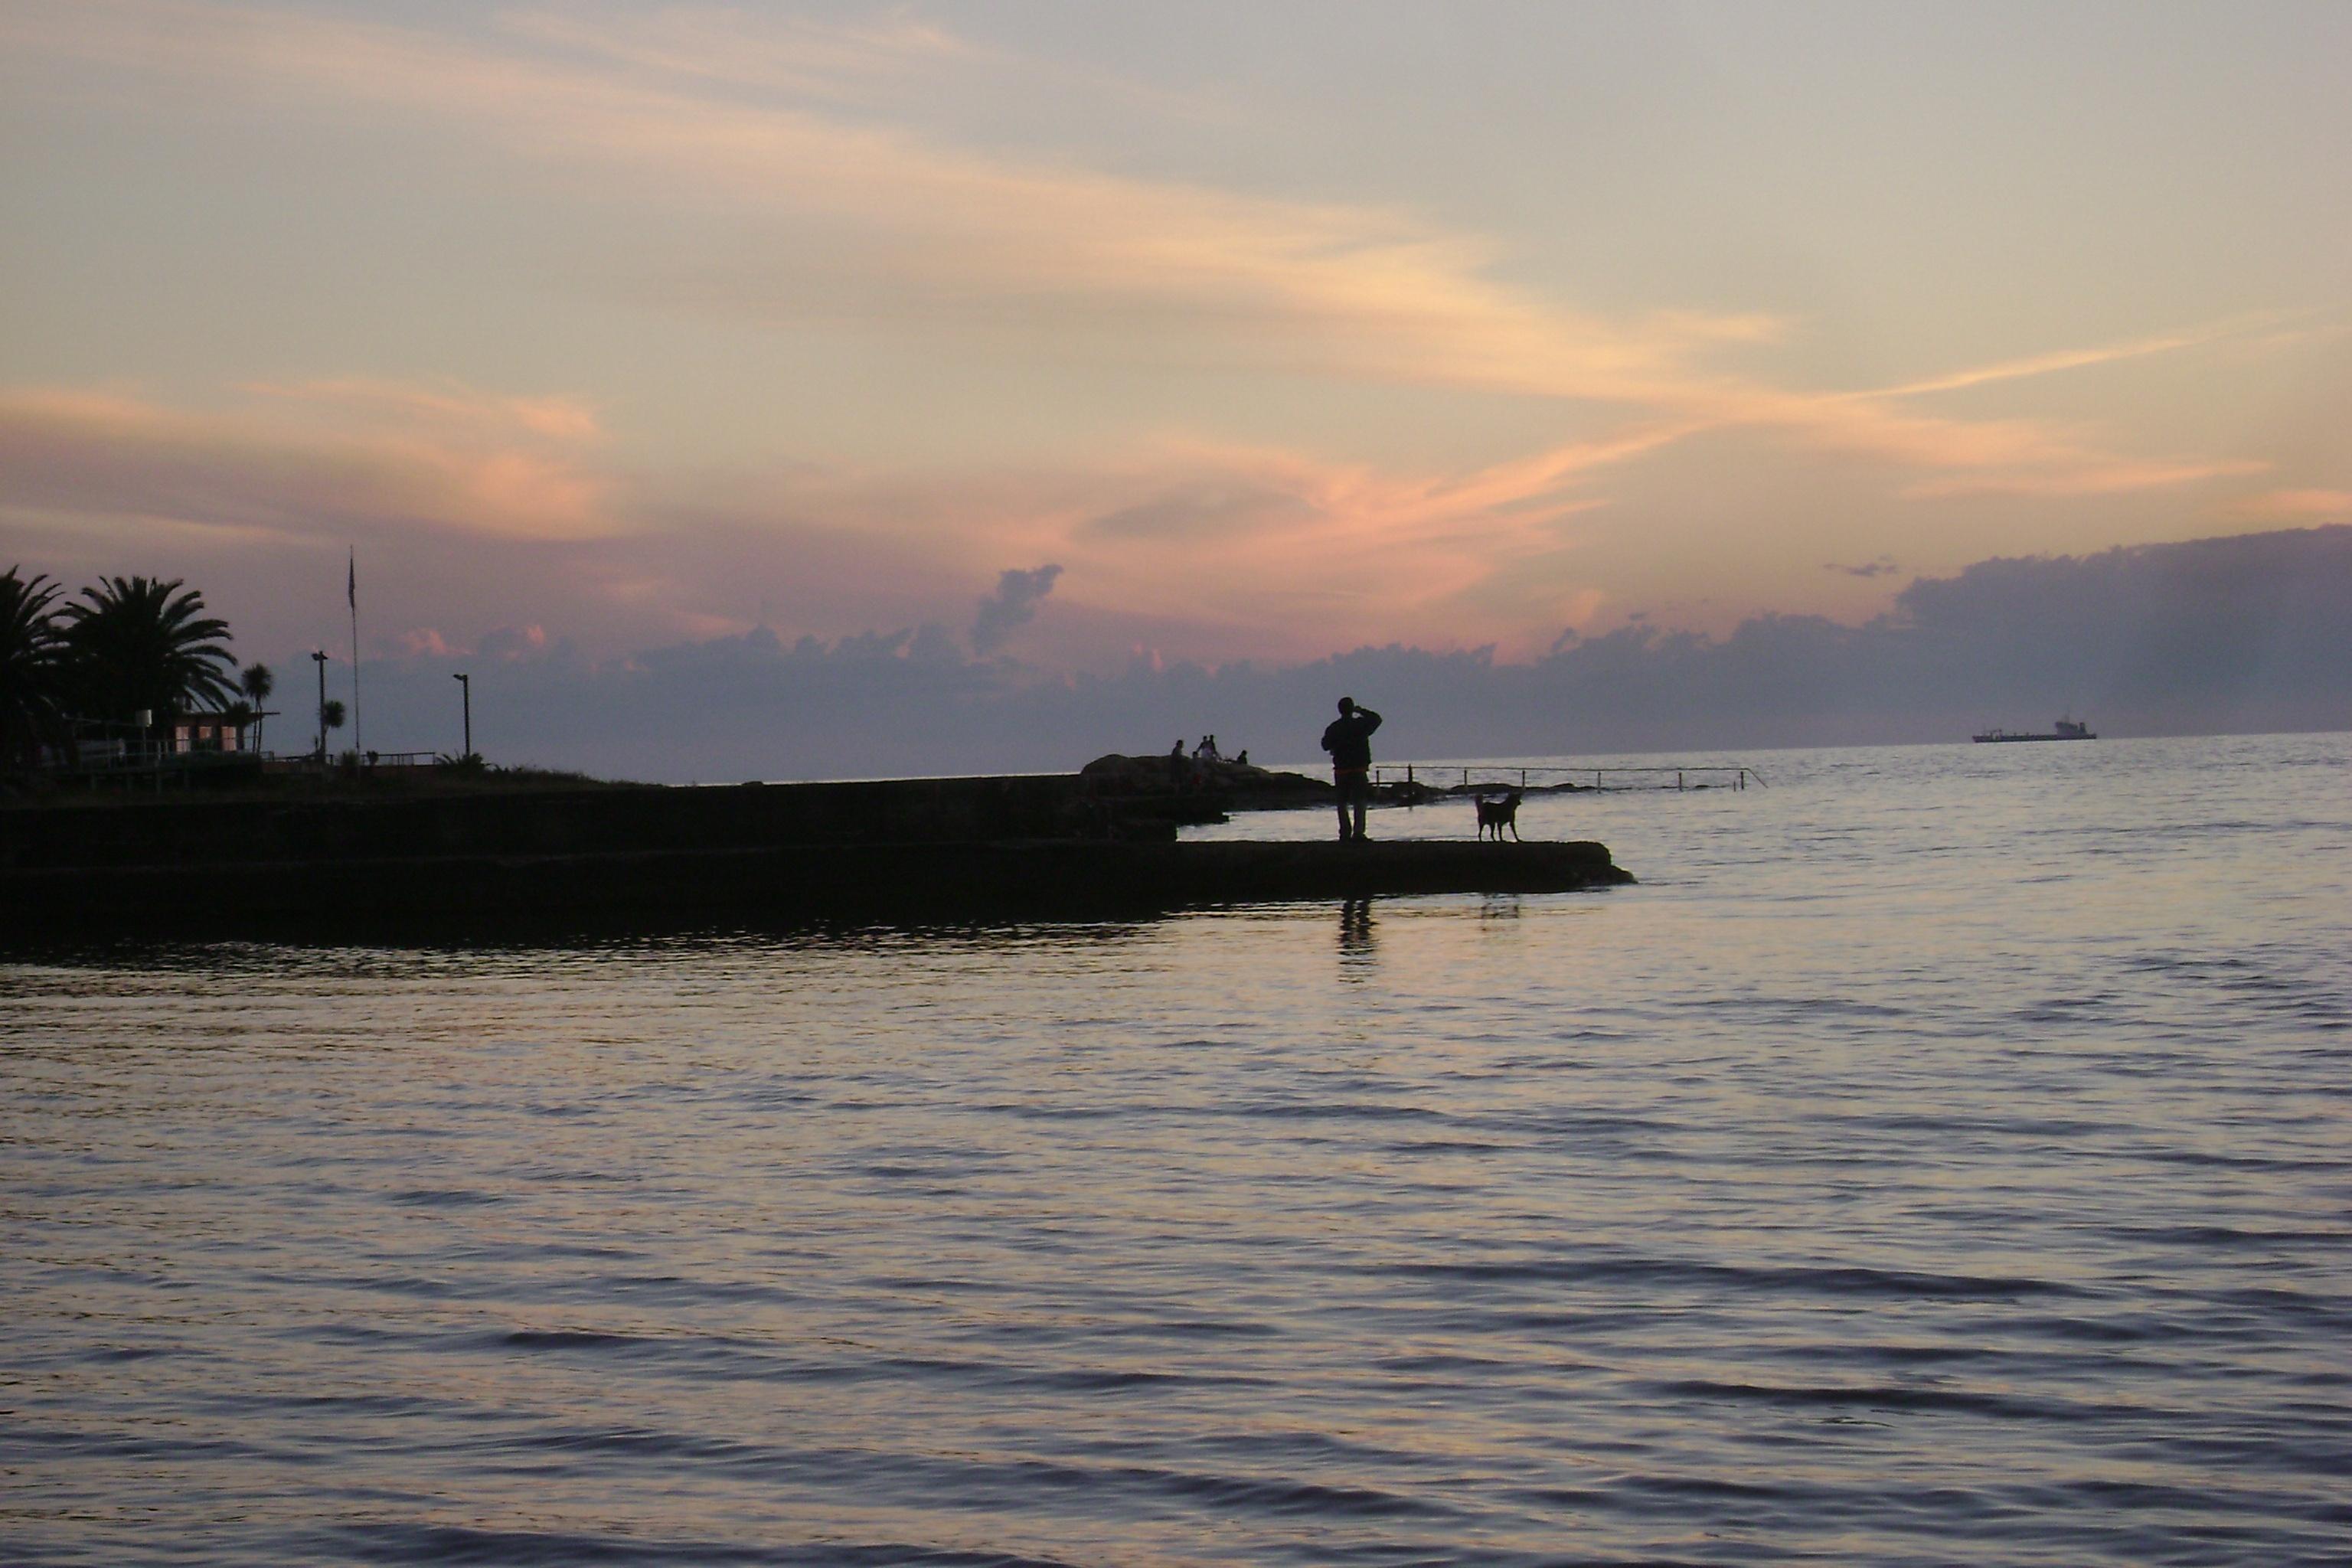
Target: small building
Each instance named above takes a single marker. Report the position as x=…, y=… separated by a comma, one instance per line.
x=203, y=732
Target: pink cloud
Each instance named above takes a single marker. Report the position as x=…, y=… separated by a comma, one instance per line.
x=481, y=506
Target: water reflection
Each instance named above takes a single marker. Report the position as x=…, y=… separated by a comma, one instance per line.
x=1358, y=947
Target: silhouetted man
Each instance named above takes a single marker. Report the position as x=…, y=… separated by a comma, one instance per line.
x=1349, y=739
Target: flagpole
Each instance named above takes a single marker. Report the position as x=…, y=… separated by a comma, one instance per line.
x=352, y=595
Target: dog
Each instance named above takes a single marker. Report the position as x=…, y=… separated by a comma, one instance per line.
x=1498, y=812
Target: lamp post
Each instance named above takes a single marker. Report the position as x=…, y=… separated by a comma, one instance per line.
x=466, y=686
x=320, y=658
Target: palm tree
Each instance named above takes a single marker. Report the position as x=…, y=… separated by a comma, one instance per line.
x=31, y=677
x=331, y=716
x=138, y=643
x=257, y=683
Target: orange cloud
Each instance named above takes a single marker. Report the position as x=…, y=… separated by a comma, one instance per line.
x=1279, y=546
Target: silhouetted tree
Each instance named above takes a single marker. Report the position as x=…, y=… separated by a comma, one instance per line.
x=331, y=716
x=138, y=643
x=32, y=673
x=258, y=683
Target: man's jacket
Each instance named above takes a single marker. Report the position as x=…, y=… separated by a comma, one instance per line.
x=1349, y=739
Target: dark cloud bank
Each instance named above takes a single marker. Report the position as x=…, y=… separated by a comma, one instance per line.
x=2243, y=634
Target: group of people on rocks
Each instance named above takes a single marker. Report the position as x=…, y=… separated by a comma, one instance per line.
x=1206, y=752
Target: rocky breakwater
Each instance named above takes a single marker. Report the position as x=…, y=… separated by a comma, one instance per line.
x=480, y=866
x=1188, y=791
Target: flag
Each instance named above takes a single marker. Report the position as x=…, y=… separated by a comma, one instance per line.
x=351, y=597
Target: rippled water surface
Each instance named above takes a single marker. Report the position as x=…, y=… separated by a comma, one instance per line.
x=1943, y=1156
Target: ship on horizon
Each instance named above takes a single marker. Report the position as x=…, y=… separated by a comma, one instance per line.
x=2065, y=730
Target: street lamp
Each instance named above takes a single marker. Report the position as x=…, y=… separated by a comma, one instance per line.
x=320, y=658
x=466, y=686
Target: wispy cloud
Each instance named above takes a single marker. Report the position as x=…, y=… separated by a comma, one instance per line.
x=2092, y=477
x=845, y=61
x=1971, y=456
x=442, y=460
x=444, y=406
x=744, y=117
x=2070, y=359
x=886, y=62
x=2292, y=506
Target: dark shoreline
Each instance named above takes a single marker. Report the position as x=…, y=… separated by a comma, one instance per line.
x=648, y=857
x=810, y=884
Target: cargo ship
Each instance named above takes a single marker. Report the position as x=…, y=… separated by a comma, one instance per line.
x=2065, y=730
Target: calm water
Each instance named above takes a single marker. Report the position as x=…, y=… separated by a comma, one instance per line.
x=1944, y=1156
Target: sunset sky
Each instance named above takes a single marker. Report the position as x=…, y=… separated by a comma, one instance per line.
x=1281, y=328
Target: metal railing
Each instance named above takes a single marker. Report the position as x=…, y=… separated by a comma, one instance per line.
x=1468, y=780
x=117, y=759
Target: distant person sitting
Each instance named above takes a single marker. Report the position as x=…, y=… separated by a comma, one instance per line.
x=1349, y=739
x=1242, y=761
